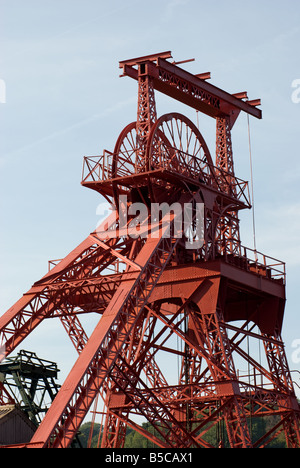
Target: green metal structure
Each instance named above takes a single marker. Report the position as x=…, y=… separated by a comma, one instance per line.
x=31, y=381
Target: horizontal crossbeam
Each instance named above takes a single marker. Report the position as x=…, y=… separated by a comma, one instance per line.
x=190, y=89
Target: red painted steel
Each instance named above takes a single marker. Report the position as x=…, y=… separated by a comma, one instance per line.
x=176, y=325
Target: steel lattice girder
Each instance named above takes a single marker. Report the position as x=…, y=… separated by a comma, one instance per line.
x=189, y=296
x=266, y=399
x=101, y=352
x=187, y=88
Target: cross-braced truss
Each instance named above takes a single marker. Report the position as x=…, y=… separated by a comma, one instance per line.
x=176, y=324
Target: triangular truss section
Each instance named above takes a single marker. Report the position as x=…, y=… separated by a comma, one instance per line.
x=189, y=330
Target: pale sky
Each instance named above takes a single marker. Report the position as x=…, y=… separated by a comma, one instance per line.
x=61, y=98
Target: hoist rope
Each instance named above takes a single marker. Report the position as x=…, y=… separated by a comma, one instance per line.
x=252, y=188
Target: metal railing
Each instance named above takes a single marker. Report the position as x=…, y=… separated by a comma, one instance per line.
x=256, y=262
x=176, y=160
x=97, y=168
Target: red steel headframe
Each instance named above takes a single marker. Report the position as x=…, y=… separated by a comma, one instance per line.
x=151, y=291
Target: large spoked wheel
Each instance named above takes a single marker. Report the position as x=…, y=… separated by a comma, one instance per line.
x=175, y=144
x=124, y=159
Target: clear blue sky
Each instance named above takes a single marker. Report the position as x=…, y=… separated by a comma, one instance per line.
x=64, y=99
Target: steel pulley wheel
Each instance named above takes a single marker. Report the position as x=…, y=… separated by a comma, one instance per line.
x=175, y=144
x=124, y=159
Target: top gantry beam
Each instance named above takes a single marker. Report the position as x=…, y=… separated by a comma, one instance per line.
x=192, y=90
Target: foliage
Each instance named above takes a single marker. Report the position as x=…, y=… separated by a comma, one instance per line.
x=258, y=427
x=84, y=434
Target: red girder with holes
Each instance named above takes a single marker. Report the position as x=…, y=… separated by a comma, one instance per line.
x=175, y=325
